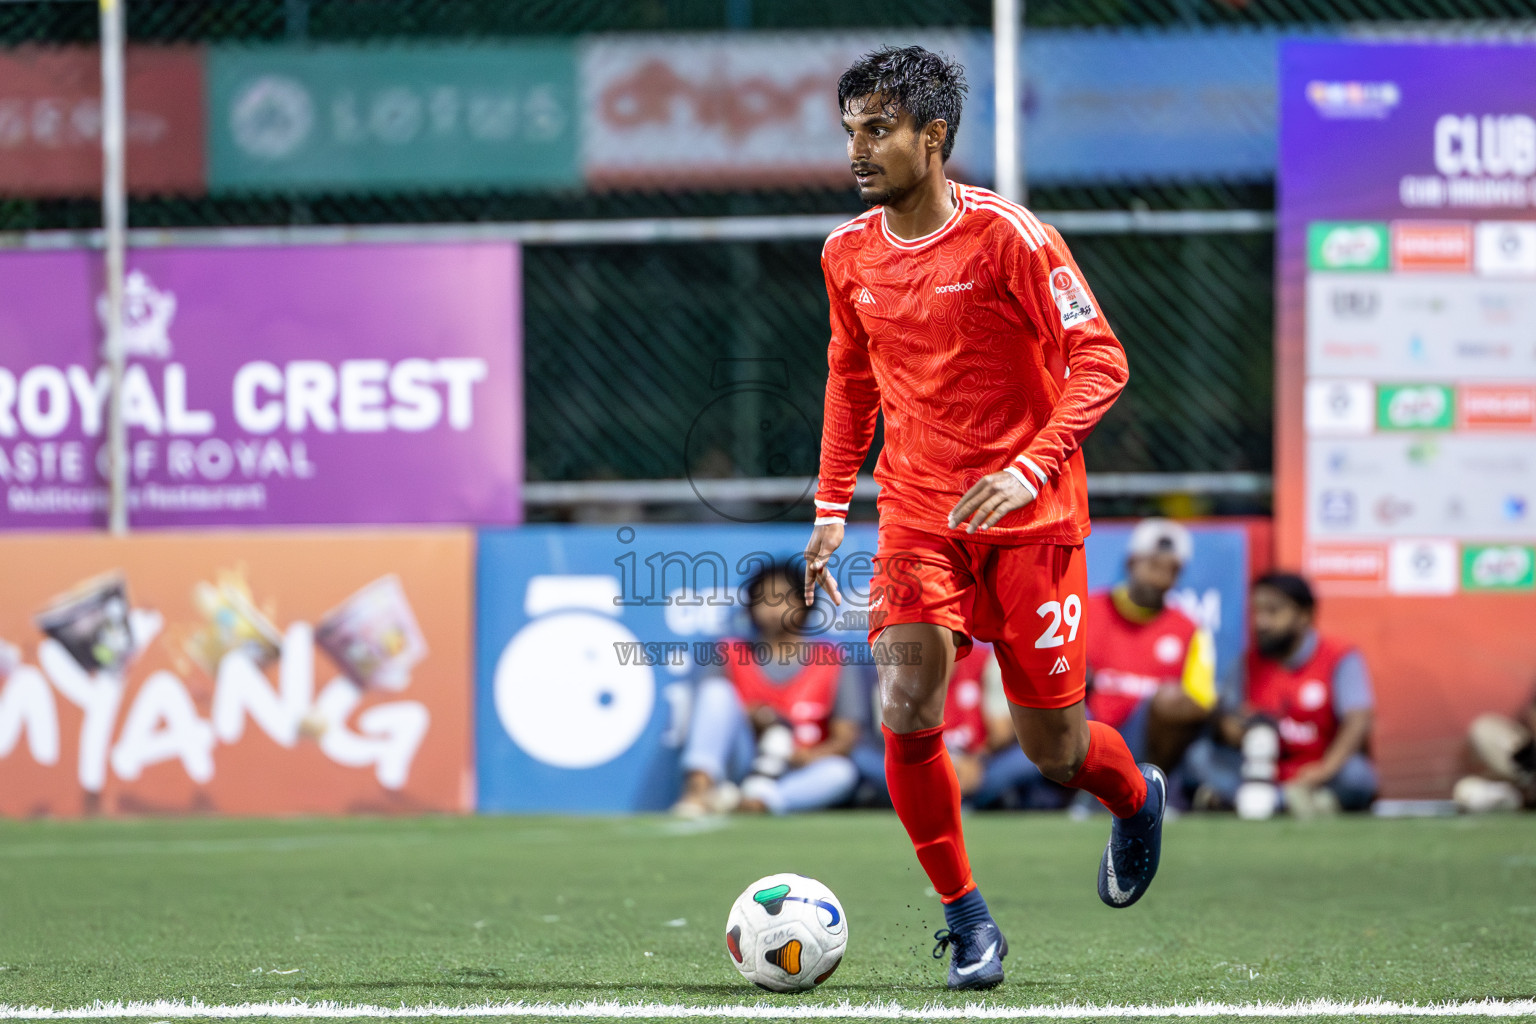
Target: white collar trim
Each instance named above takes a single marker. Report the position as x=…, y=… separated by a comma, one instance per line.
x=956, y=195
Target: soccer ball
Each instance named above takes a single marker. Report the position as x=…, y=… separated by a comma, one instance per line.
x=786, y=933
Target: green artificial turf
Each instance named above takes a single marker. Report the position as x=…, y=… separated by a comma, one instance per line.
x=477, y=910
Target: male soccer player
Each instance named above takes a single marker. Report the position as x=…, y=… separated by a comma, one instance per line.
x=966, y=321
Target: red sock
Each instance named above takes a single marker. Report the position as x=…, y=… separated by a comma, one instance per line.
x=926, y=795
x=1109, y=772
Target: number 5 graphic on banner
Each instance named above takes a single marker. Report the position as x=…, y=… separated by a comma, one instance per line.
x=1069, y=611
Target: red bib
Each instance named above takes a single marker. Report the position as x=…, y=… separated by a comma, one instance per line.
x=1300, y=702
x=805, y=701
x=965, y=726
x=1130, y=660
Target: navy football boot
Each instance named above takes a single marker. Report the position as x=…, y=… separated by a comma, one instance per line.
x=1135, y=845
x=976, y=954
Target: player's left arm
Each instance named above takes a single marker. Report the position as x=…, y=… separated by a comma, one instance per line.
x=1047, y=281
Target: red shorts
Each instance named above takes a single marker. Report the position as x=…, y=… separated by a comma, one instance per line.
x=1025, y=599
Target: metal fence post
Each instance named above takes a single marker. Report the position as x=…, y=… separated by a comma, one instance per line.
x=1006, y=36
x=114, y=222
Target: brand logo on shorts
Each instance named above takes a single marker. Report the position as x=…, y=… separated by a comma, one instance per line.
x=1060, y=666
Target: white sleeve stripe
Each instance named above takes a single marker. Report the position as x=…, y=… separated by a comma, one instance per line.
x=828, y=520
x=833, y=505
x=1009, y=216
x=1037, y=232
x=1030, y=222
x=1028, y=217
x=1036, y=222
x=1033, y=467
x=1014, y=472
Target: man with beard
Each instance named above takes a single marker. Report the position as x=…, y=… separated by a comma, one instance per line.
x=1311, y=691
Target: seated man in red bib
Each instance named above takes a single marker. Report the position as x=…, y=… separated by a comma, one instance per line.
x=1151, y=668
x=774, y=722
x=1314, y=692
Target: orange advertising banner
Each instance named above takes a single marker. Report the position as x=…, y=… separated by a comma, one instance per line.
x=50, y=120
x=236, y=673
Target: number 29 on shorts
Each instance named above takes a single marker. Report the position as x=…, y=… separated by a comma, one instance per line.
x=1068, y=612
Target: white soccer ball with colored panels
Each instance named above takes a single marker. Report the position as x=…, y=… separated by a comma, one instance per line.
x=786, y=933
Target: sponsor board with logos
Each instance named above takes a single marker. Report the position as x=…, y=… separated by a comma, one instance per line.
x=1416, y=567
x=1400, y=484
x=1420, y=392
x=1406, y=376
x=1420, y=326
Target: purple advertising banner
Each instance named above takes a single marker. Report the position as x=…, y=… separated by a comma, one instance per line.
x=272, y=385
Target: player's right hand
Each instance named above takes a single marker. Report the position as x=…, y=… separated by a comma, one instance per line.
x=825, y=539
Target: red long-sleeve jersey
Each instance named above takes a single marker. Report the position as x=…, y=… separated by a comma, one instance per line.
x=986, y=352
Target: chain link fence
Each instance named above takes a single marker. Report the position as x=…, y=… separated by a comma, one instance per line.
x=625, y=344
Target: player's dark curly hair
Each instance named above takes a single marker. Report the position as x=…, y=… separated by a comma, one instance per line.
x=928, y=85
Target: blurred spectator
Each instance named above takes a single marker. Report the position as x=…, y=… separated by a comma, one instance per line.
x=1010, y=780
x=965, y=724
x=1299, y=720
x=978, y=730
x=1505, y=751
x=1151, y=668
x=774, y=733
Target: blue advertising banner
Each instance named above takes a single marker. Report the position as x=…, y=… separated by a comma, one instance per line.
x=586, y=640
x=1105, y=105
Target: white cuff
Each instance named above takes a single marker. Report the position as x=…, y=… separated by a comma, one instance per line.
x=832, y=506
x=1014, y=472
x=828, y=520
x=1033, y=467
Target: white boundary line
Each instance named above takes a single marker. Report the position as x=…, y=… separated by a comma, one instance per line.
x=294, y=1010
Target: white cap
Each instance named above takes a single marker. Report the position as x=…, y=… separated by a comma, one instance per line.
x=1153, y=535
